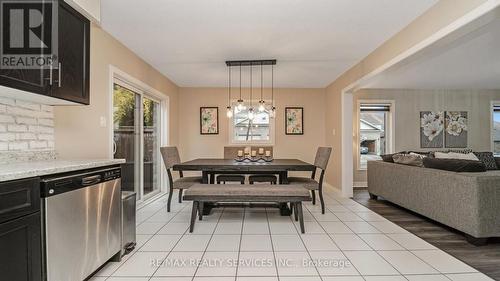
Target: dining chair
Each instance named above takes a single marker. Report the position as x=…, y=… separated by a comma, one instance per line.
x=320, y=162
x=170, y=156
x=231, y=152
x=272, y=179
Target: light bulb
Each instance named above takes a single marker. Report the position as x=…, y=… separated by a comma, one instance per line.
x=240, y=105
x=251, y=114
x=229, y=112
x=262, y=106
x=272, y=113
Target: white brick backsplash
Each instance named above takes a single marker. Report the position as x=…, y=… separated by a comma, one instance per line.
x=18, y=145
x=7, y=137
x=6, y=119
x=17, y=128
x=28, y=105
x=7, y=101
x=26, y=120
x=46, y=122
x=49, y=137
x=26, y=127
x=38, y=144
x=26, y=136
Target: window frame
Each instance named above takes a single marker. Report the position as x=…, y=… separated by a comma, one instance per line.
x=390, y=141
x=272, y=126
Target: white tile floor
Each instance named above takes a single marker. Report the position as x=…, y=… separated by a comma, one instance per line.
x=348, y=243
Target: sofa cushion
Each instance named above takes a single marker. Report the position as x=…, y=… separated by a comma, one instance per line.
x=497, y=160
x=454, y=165
x=387, y=158
x=455, y=155
x=411, y=159
x=488, y=159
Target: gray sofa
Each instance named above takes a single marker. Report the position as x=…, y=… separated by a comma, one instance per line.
x=468, y=202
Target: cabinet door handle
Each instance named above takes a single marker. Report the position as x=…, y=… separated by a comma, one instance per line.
x=60, y=71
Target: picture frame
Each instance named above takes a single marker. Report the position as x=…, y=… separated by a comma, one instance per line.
x=294, y=120
x=209, y=120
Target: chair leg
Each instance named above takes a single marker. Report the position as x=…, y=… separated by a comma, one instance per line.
x=313, y=194
x=200, y=210
x=180, y=195
x=242, y=182
x=321, y=201
x=250, y=182
x=193, y=216
x=295, y=211
x=218, y=181
x=169, y=200
x=301, y=217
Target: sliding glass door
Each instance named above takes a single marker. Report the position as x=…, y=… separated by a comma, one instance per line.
x=137, y=139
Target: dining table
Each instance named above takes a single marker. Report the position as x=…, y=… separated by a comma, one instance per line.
x=210, y=167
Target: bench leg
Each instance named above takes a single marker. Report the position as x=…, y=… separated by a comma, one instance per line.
x=301, y=216
x=295, y=211
x=193, y=216
x=200, y=210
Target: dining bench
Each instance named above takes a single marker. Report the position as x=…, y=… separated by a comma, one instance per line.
x=217, y=193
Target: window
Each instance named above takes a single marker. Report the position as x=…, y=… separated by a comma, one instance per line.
x=496, y=129
x=374, y=132
x=258, y=130
x=137, y=138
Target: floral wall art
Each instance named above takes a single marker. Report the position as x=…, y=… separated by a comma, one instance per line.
x=431, y=129
x=294, y=120
x=456, y=129
x=209, y=120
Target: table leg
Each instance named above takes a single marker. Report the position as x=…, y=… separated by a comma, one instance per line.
x=212, y=178
x=207, y=208
x=200, y=210
x=284, y=210
x=204, y=177
x=301, y=216
x=193, y=216
x=283, y=177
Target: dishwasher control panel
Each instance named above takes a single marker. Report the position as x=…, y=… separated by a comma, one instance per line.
x=58, y=184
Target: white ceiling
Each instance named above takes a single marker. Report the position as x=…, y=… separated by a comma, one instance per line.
x=470, y=62
x=314, y=41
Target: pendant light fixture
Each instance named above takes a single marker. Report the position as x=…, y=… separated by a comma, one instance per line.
x=240, y=105
x=251, y=113
x=262, y=103
x=272, y=113
x=229, y=111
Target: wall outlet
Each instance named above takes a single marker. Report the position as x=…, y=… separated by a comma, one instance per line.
x=103, y=122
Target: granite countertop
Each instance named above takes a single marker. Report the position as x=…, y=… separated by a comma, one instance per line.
x=20, y=170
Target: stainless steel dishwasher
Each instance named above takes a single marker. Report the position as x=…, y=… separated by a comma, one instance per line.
x=81, y=221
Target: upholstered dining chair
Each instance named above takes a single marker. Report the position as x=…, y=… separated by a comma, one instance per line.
x=171, y=157
x=231, y=152
x=272, y=179
x=321, y=162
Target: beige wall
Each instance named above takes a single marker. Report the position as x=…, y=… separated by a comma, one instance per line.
x=193, y=145
x=409, y=103
x=77, y=128
x=436, y=18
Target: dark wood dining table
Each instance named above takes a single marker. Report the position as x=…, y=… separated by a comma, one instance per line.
x=211, y=167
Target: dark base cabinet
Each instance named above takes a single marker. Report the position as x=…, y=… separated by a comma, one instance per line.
x=20, y=249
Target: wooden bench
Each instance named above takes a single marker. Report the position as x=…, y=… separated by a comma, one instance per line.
x=211, y=193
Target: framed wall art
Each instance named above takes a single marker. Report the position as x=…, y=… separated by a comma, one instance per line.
x=209, y=120
x=294, y=120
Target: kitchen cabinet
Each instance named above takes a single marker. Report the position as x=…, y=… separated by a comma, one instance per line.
x=20, y=231
x=69, y=80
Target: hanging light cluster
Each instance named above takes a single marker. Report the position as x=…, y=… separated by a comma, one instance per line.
x=240, y=104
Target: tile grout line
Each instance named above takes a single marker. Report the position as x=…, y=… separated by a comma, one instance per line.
x=272, y=246
x=239, y=246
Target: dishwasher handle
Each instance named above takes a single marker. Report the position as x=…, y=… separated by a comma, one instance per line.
x=86, y=181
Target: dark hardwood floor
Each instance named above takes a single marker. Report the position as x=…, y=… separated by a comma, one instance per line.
x=485, y=259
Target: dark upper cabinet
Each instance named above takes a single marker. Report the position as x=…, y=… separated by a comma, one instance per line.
x=69, y=79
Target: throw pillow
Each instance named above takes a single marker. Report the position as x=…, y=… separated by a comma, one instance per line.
x=454, y=165
x=455, y=155
x=387, y=158
x=411, y=159
x=488, y=159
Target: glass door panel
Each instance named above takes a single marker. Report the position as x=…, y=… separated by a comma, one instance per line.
x=125, y=137
x=151, y=146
